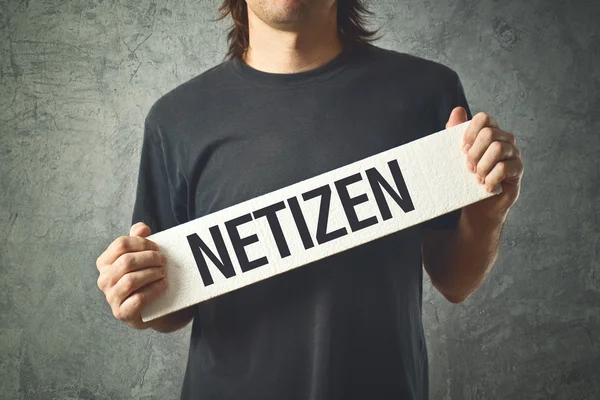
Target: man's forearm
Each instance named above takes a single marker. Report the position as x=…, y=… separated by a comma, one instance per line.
x=462, y=265
x=174, y=321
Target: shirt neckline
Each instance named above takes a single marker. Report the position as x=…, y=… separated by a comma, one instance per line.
x=272, y=79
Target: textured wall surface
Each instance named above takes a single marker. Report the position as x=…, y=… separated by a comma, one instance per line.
x=76, y=81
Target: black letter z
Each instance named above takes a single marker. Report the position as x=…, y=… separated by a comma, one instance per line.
x=322, y=235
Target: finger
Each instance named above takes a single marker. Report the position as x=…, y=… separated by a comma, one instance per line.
x=133, y=281
x=457, y=116
x=485, y=137
x=503, y=171
x=478, y=122
x=122, y=245
x=130, y=262
x=496, y=152
x=140, y=229
x=130, y=309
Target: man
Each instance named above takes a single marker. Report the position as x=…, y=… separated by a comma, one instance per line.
x=304, y=92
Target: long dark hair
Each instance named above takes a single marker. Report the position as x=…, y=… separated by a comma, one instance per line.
x=351, y=18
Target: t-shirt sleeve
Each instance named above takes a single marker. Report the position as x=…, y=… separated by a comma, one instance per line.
x=153, y=204
x=457, y=99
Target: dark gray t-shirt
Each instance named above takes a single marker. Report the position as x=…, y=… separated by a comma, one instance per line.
x=345, y=327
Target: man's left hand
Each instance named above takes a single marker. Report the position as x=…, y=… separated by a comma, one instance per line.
x=493, y=158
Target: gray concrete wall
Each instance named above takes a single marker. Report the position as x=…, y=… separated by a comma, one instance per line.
x=77, y=78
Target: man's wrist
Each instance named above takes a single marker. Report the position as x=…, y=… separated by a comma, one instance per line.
x=174, y=321
x=477, y=218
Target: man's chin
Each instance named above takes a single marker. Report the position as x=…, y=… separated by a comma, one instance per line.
x=291, y=21
x=289, y=15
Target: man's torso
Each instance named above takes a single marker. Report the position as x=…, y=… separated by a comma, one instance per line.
x=348, y=326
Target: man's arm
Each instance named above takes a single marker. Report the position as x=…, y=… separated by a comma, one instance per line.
x=459, y=260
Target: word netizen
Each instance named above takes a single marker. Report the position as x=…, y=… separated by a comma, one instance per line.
x=223, y=261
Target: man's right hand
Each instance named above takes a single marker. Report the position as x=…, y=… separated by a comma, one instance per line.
x=132, y=271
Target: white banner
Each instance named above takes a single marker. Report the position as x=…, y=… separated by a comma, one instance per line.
x=315, y=218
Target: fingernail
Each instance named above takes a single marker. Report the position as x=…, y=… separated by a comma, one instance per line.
x=163, y=282
x=479, y=178
x=470, y=166
x=466, y=147
x=163, y=271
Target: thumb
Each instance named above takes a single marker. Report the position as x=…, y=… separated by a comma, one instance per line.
x=457, y=116
x=140, y=229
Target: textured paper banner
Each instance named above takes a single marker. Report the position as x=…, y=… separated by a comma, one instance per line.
x=315, y=218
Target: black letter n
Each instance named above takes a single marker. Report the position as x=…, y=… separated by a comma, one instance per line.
x=402, y=198
x=198, y=246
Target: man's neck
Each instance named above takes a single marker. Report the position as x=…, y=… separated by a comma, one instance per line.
x=285, y=52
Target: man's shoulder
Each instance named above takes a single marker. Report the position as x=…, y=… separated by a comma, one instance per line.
x=412, y=66
x=189, y=93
